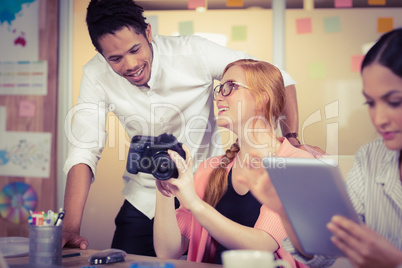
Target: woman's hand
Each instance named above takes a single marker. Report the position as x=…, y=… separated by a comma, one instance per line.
x=363, y=246
x=255, y=176
x=182, y=187
x=163, y=188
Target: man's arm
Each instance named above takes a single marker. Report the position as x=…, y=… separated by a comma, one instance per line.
x=77, y=188
x=291, y=122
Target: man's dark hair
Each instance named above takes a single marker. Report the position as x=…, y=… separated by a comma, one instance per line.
x=387, y=52
x=109, y=16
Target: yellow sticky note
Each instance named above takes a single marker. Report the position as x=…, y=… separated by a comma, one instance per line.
x=376, y=2
x=385, y=25
x=317, y=70
x=234, y=3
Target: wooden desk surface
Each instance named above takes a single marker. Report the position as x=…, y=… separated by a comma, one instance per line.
x=82, y=261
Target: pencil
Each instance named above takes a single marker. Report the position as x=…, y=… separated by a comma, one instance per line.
x=72, y=255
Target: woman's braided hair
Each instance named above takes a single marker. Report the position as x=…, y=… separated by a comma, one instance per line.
x=218, y=183
x=109, y=16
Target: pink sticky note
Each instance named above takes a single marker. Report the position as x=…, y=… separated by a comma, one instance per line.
x=27, y=108
x=356, y=62
x=193, y=4
x=303, y=26
x=343, y=3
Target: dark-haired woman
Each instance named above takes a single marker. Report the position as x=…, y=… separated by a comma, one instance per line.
x=375, y=182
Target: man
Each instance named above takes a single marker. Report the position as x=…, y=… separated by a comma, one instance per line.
x=153, y=84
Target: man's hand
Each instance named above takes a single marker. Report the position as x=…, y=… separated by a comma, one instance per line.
x=314, y=150
x=74, y=240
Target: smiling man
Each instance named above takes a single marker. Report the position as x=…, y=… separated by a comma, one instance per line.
x=129, y=54
x=153, y=84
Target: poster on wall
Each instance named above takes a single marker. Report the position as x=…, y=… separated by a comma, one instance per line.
x=19, y=30
x=23, y=78
x=24, y=154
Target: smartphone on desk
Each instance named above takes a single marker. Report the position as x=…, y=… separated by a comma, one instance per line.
x=106, y=256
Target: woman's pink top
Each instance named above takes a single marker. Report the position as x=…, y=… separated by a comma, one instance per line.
x=201, y=246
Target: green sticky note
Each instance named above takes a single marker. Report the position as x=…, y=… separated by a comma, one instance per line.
x=186, y=28
x=239, y=33
x=317, y=70
x=332, y=25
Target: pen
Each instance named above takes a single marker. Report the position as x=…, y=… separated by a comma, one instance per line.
x=72, y=255
x=60, y=217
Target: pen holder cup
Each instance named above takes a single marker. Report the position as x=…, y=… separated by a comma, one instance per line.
x=45, y=245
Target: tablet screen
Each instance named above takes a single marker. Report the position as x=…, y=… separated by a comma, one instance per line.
x=311, y=191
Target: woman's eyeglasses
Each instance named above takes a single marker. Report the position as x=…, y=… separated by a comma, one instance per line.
x=226, y=88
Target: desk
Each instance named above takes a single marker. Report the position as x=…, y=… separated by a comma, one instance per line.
x=81, y=261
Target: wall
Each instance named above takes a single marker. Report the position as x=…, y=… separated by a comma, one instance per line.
x=339, y=90
x=105, y=196
x=358, y=27
x=43, y=119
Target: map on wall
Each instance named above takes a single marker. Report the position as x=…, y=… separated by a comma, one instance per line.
x=19, y=35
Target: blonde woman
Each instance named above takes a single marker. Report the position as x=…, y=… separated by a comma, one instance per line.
x=217, y=211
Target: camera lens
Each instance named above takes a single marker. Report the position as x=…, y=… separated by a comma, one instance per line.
x=164, y=166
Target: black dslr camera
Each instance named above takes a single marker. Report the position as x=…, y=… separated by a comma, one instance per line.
x=149, y=155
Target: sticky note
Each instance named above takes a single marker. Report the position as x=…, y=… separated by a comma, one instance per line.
x=234, y=3
x=342, y=3
x=27, y=108
x=332, y=24
x=186, y=28
x=193, y=4
x=317, y=70
x=376, y=2
x=239, y=33
x=356, y=62
x=153, y=20
x=303, y=26
x=385, y=25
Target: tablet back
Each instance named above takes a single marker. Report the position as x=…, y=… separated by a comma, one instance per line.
x=311, y=192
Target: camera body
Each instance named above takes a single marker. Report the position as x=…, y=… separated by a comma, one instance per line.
x=148, y=154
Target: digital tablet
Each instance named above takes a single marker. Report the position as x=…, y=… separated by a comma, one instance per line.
x=311, y=192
